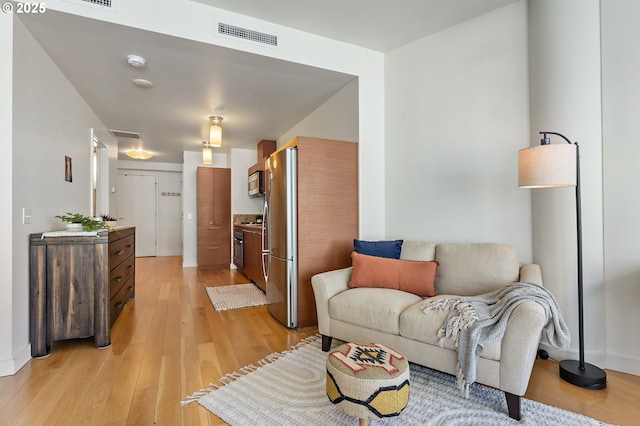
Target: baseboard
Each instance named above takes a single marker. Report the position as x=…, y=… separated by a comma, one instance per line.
x=9, y=367
x=617, y=362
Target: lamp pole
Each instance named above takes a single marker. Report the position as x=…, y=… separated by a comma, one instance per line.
x=579, y=372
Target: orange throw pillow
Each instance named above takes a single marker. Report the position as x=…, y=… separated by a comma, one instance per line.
x=406, y=275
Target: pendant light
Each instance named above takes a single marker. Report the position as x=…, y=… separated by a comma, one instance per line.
x=215, y=128
x=207, y=153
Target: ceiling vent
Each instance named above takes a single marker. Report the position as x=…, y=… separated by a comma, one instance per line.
x=123, y=134
x=246, y=34
x=100, y=4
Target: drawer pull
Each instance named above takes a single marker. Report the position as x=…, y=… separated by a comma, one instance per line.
x=129, y=245
x=118, y=253
x=130, y=267
x=130, y=288
x=119, y=305
x=118, y=279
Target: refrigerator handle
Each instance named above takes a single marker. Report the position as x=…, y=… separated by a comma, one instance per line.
x=265, y=242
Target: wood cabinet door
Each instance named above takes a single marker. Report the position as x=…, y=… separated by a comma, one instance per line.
x=222, y=197
x=253, y=258
x=205, y=197
x=214, y=217
x=71, y=284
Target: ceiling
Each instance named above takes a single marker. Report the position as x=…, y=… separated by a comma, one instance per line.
x=379, y=25
x=262, y=97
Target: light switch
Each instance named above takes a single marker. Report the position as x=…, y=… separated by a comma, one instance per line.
x=189, y=216
x=26, y=215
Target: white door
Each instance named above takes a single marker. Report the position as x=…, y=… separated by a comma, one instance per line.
x=137, y=207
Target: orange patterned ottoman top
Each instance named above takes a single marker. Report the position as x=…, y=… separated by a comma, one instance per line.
x=368, y=381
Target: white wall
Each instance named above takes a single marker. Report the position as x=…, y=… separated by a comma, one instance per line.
x=456, y=115
x=621, y=133
x=169, y=207
x=337, y=118
x=565, y=86
x=8, y=350
x=49, y=120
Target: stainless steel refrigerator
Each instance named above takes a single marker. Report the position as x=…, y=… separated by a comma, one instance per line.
x=279, y=258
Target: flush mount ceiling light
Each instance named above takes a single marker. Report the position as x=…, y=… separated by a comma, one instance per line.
x=142, y=83
x=207, y=153
x=215, y=129
x=139, y=154
x=136, y=61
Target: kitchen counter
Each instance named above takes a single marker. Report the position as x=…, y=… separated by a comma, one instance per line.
x=253, y=227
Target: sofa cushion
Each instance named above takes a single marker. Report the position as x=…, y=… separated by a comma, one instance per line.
x=415, y=324
x=374, y=308
x=472, y=269
x=390, y=249
x=406, y=275
x=418, y=250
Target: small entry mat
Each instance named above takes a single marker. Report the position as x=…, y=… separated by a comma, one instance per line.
x=236, y=296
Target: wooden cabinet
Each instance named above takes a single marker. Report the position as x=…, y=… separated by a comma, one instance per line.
x=214, y=217
x=327, y=213
x=78, y=285
x=252, y=265
x=265, y=149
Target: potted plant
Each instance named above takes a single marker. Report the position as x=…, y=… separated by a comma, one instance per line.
x=109, y=221
x=77, y=221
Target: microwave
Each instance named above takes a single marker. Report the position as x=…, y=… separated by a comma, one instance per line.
x=255, y=184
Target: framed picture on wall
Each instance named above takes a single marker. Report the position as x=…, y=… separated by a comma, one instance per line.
x=68, y=175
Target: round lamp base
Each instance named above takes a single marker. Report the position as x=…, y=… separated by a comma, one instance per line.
x=591, y=377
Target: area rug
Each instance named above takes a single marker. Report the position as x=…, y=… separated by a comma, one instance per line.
x=289, y=389
x=236, y=296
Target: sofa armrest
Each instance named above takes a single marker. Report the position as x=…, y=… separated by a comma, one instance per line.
x=519, y=347
x=325, y=286
x=531, y=273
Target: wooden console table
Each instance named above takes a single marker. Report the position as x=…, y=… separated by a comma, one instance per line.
x=79, y=284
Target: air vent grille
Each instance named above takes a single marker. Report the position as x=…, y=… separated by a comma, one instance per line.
x=102, y=4
x=123, y=134
x=245, y=34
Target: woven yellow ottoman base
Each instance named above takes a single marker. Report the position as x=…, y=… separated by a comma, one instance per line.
x=368, y=381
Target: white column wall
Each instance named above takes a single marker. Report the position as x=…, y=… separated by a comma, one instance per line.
x=621, y=133
x=7, y=354
x=564, y=67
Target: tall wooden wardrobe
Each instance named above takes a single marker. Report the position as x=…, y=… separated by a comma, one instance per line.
x=214, y=217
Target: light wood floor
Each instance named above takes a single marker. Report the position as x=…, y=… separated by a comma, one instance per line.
x=170, y=342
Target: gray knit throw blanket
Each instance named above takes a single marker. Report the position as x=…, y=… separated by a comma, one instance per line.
x=475, y=321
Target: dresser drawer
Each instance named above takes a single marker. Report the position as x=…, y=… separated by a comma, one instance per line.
x=120, y=250
x=116, y=305
x=120, y=275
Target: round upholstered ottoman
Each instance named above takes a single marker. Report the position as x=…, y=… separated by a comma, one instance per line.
x=368, y=381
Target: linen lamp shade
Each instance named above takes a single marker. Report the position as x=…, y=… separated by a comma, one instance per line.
x=547, y=166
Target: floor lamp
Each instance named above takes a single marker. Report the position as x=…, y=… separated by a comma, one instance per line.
x=554, y=166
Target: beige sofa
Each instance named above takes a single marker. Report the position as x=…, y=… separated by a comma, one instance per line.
x=395, y=318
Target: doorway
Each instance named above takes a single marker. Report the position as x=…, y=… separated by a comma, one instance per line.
x=136, y=195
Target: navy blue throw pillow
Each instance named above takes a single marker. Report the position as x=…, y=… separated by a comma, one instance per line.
x=389, y=249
